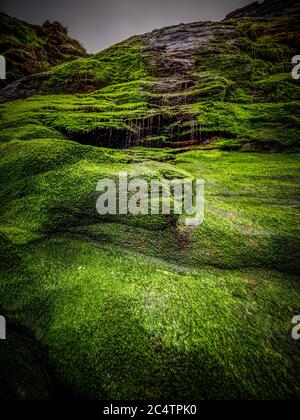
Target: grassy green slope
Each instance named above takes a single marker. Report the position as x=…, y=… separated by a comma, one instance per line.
x=30, y=49
x=171, y=315
x=138, y=328
x=121, y=116
x=236, y=92
x=138, y=307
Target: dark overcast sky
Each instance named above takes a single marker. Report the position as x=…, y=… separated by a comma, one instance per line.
x=98, y=24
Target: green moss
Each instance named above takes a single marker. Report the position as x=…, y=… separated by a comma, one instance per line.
x=139, y=307
x=241, y=89
x=240, y=96
x=158, y=313
x=127, y=60
x=121, y=63
x=36, y=175
x=103, y=117
x=267, y=126
x=147, y=330
x=278, y=88
x=265, y=50
x=31, y=49
x=161, y=139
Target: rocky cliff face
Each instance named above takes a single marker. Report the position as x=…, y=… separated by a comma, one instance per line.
x=182, y=85
x=30, y=49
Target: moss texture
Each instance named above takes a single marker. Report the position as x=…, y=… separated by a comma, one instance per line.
x=30, y=49
x=140, y=307
x=234, y=83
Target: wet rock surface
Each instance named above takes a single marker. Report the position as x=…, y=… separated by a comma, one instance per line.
x=176, y=48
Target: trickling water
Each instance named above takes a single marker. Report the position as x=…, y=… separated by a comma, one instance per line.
x=110, y=135
x=159, y=121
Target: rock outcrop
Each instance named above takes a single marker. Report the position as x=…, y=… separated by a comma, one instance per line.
x=181, y=85
x=266, y=9
x=30, y=49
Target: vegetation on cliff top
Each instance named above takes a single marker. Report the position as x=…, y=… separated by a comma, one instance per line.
x=31, y=49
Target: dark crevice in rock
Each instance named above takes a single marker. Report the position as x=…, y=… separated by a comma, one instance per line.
x=25, y=370
x=158, y=131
